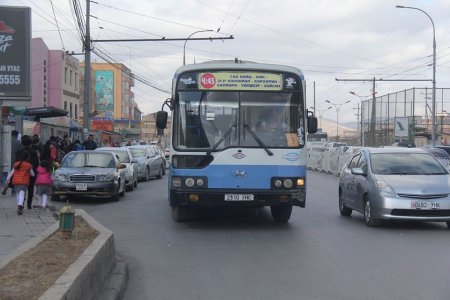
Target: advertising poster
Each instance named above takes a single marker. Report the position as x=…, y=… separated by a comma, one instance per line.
x=104, y=91
x=401, y=127
x=15, y=40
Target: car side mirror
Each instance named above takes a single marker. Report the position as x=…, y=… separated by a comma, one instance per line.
x=358, y=171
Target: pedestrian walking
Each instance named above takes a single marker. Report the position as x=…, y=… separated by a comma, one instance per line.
x=16, y=146
x=21, y=174
x=33, y=159
x=43, y=183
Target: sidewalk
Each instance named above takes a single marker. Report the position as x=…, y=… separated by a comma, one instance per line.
x=16, y=230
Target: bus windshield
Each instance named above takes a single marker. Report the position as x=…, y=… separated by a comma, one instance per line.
x=222, y=119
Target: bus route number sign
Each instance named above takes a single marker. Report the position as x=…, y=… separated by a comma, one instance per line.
x=208, y=80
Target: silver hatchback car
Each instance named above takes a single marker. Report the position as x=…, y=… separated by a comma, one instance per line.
x=395, y=184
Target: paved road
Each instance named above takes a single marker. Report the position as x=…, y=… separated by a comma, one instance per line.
x=245, y=255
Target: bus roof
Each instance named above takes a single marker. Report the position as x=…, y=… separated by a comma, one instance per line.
x=229, y=65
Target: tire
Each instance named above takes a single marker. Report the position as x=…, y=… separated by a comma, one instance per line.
x=130, y=187
x=55, y=198
x=135, y=182
x=122, y=193
x=281, y=214
x=368, y=216
x=147, y=174
x=180, y=213
x=160, y=173
x=448, y=224
x=115, y=197
x=344, y=210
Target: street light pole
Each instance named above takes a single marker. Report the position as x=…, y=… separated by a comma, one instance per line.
x=361, y=123
x=433, y=117
x=184, y=47
x=338, y=107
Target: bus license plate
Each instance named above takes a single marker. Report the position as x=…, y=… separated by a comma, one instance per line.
x=425, y=205
x=239, y=197
x=81, y=187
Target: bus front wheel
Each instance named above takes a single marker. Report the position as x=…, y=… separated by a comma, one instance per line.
x=180, y=213
x=281, y=214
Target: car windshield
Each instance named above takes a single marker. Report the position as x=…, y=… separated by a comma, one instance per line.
x=138, y=153
x=405, y=163
x=82, y=159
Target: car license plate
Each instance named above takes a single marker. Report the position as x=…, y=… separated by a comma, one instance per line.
x=81, y=187
x=425, y=205
x=239, y=197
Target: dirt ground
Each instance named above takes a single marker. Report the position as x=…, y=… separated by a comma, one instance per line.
x=31, y=274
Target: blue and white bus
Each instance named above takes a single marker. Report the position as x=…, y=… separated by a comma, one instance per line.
x=224, y=149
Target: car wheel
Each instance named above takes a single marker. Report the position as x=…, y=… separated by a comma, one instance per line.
x=115, y=197
x=131, y=187
x=135, y=182
x=180, y=213
x=55, y=198
x=344, y=210
x=121, y=194
x=147, y=174
x=160, y=172
x=280, y=213
x=448, y=224
x=368, y=216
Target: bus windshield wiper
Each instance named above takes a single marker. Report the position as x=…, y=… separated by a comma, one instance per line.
x=214, y=147
x=258, y=140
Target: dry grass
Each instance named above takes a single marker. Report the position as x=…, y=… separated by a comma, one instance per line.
x=29, y=275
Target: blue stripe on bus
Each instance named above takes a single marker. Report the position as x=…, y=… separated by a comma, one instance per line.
x=256, y=177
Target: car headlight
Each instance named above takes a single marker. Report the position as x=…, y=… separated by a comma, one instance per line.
x=385, y=189
x=60, y=177
x=107, y=177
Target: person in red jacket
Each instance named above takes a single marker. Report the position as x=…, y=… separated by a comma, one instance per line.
x=22, y=172
x=43, y=183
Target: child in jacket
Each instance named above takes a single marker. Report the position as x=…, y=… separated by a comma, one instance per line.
x=44, y=183
x=22, y=170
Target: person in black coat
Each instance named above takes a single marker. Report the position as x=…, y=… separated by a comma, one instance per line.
x=90, y=144
x=33, y=159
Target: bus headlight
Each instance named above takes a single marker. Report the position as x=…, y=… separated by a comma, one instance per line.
x=189, y=182
x=278, y=183
x=200, y=182
x=288, y=183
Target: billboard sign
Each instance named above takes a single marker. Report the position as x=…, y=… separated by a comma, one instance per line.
x=15, y=41
x=401, y=127
x=104, y=91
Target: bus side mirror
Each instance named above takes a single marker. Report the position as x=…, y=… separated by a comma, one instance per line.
x=161, y=119
x=312, y=124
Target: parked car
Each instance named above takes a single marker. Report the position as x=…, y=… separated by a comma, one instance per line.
x=443, y=147
x=89, y=173
x=126, y=157
x=150, y=163
x=160, y=152
x=395, y=184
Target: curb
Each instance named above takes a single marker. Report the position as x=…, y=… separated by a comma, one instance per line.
x=97, y=274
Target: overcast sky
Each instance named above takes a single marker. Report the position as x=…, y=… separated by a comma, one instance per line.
x=326, y=39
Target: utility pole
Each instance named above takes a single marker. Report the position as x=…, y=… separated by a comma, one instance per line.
x=372, y=138
x=87, y=72
x=87, y=60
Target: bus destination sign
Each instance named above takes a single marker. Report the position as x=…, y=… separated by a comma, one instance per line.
x=255, y=81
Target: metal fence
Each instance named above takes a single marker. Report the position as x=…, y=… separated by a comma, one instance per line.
x=378, y=116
